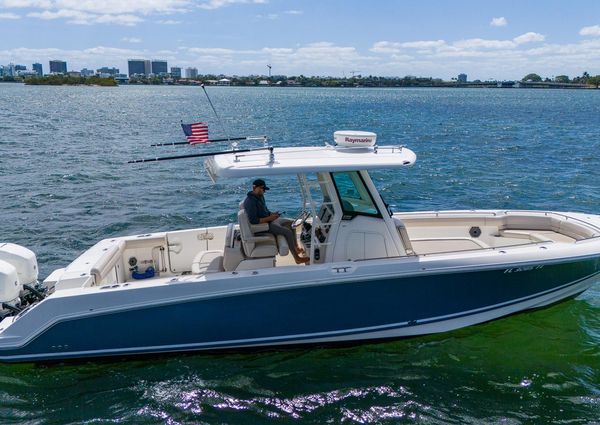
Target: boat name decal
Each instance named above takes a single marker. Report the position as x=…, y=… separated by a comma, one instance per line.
x=206, y=236
x=524, y=269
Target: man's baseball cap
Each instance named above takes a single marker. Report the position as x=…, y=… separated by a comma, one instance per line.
x=260, y=183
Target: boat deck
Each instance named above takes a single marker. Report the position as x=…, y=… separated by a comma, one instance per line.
x=434, y=232
x=423, y=246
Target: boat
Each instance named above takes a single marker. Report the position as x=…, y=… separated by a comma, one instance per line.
x=373, y=274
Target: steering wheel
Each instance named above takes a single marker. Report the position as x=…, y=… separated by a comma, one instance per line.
x=300, y=219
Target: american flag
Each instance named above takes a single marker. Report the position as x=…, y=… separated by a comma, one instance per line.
x=196, y=132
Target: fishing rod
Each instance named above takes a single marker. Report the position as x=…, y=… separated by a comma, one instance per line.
x=196, y=155
x=263, y=138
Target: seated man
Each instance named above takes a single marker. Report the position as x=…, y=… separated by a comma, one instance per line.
x=258, y=213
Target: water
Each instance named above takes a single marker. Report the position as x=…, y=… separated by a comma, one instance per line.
x=65, y=184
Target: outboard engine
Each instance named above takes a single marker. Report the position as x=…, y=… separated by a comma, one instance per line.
x=18, y=270
x=10, y=287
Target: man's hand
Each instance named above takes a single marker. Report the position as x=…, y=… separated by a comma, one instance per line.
x=274, y=216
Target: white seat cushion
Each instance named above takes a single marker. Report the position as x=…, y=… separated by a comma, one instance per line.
x=264, y=249
x=207, y=262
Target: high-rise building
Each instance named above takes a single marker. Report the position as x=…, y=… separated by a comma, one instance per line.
x=37, y=67
x=108, y=71
x=20, y=68
x=191, y=73
x=10, y=70
x=58, y=67
x=87, y=72
x=138, y=66
x=175, y=72
x=159, y=67
x=462, y=78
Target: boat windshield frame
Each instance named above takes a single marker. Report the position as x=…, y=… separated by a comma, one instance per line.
x=349, y=214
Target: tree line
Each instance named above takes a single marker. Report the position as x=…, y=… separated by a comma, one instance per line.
x=301, y=80
x=60, y=80
x=585, y=78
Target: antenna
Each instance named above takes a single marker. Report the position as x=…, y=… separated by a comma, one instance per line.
x=233, y=144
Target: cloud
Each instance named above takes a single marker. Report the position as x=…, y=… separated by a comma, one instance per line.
x=271, y=16
x=116, y=12
x=499, y=22
x=293, y=12
x=9, y=16
x=480, y=43
x=25, y=3
x=217, y=4
x=82, y=18
x=488, y=59
x=104, y=7
x=131, y=40
x=529, y=37
x=277, y=51
x=89, y=12
x=385, y=47
x=322, y=58
x=216, y=51
x=423, y=44
x=593, y=31
x=396, y=47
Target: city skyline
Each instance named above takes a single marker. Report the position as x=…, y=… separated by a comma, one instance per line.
x=241, y=37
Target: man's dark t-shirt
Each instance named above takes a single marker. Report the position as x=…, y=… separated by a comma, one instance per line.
x=256, y=207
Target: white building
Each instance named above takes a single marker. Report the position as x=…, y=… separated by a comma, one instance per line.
x=191, y=73
x=9, y=70
x=26, y=73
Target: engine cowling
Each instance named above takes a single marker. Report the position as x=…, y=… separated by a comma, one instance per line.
x=10, y=287
x=23, y=260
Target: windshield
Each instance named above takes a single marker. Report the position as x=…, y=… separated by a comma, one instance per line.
x=354, y=195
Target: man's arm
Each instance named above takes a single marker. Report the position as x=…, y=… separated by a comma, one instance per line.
x=269, y=218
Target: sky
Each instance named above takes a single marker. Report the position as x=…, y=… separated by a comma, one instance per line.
x=487, y=40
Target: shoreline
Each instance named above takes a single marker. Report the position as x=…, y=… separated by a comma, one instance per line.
x=535, y=86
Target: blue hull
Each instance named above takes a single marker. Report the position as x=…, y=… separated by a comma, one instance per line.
x=299, y=315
